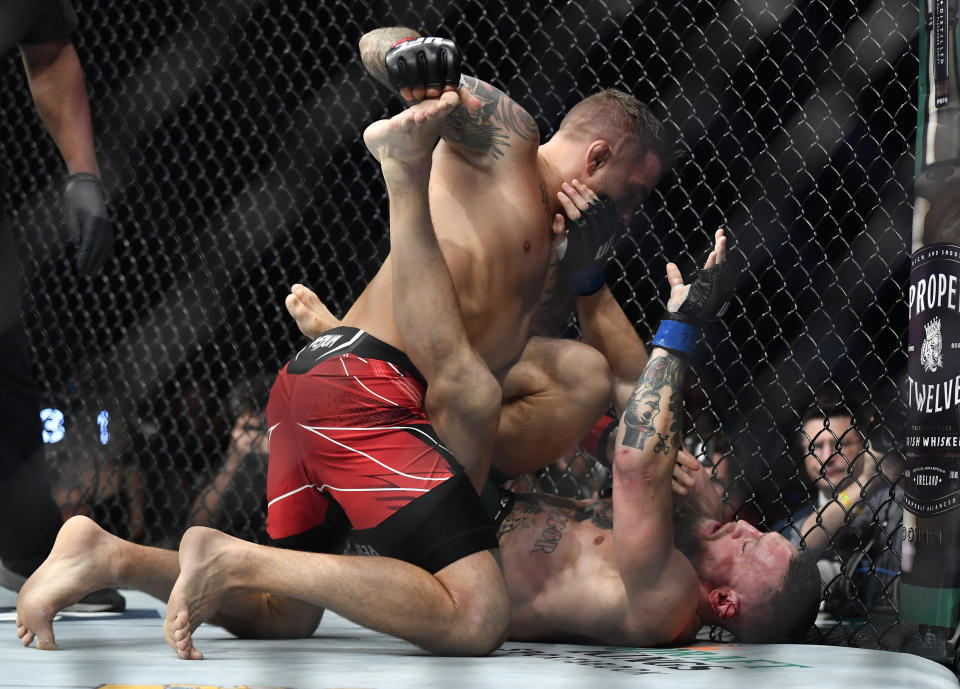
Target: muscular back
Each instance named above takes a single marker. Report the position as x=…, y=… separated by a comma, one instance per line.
x=564, y=582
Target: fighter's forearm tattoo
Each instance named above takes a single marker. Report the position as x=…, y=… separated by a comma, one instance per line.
x=374, y=47
x=490, y=126
x=677, y=411
x=644, y=406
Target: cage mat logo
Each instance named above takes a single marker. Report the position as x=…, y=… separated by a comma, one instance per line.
x=659, y=661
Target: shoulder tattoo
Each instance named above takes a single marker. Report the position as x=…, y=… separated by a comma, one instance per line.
x=490, y=126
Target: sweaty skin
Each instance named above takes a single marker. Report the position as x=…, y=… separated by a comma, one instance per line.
x=550, y=547
x=495, y=234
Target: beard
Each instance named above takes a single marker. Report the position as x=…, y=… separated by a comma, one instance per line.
x=688, y=538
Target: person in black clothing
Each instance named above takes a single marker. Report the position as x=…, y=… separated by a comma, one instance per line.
x=41, y=29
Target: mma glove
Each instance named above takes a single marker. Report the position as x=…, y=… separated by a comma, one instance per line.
x=706, y=300
x=87, y=221
x=423, y=62
x=588, y=245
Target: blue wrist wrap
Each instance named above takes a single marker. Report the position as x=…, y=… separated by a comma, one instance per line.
x=676, y=336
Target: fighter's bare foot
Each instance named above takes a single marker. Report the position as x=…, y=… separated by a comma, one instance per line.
x=408, y=138
x=81, y=561
x=206, y=565
x=311, y=314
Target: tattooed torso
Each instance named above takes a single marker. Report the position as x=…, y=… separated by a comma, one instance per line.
x=562, y=574
x=559, y=562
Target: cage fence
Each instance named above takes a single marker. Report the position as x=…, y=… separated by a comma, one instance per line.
x=229, y=135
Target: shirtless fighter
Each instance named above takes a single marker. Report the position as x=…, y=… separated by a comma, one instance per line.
x=452, y=598
x=629, y=570
x=552, y=546
x=648, y=578
x=495, y=193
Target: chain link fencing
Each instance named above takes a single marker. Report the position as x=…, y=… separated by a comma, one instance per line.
x=229, y=135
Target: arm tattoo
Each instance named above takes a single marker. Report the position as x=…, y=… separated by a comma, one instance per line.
x=489, y=127
x=374, y=47
x=638, y=418
x=644, y=405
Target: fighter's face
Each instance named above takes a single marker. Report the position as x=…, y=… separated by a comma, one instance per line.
x=628, y=180
x=751, y=562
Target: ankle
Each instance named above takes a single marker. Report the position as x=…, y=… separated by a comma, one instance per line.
x=406, y=175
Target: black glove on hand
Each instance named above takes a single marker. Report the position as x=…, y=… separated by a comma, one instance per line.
x=708, y=297
x=706, y=300
x=423, y=62
x=588, y=246
x=88, y=225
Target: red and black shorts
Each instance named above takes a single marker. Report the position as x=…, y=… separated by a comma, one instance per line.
x=353, y=455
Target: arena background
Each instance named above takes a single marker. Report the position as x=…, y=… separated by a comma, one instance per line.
x=229, y=138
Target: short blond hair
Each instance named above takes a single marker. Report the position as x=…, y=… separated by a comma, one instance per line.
x=616, y=115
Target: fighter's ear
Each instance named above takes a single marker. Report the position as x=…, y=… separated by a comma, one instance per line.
x=725, y=602
x=598, y=155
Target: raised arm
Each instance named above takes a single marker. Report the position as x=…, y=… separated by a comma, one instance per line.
x=594, y=229
x=648, y=441
x=487, y=127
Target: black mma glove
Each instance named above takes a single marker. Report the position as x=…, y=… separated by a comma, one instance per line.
x=423, y=62
x=87, y=221
x=706, y=300
x=588, y=245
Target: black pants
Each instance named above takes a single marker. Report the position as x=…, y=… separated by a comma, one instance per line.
x=29, y=518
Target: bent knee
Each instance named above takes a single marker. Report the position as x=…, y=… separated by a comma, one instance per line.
x=468, y=388
x=580, y=364
x=480, y=630
x=479, y=592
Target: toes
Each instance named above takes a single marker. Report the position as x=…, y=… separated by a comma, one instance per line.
x=185, y=648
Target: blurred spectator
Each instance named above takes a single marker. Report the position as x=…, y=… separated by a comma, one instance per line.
x=93, y=470
x=234, y=499
x=852, y=520
x=717, y=455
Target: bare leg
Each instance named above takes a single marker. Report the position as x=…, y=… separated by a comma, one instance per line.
x=463, y=397
x=449, y=613
x=552, y=397
x=86, y=558
x=464, y=608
